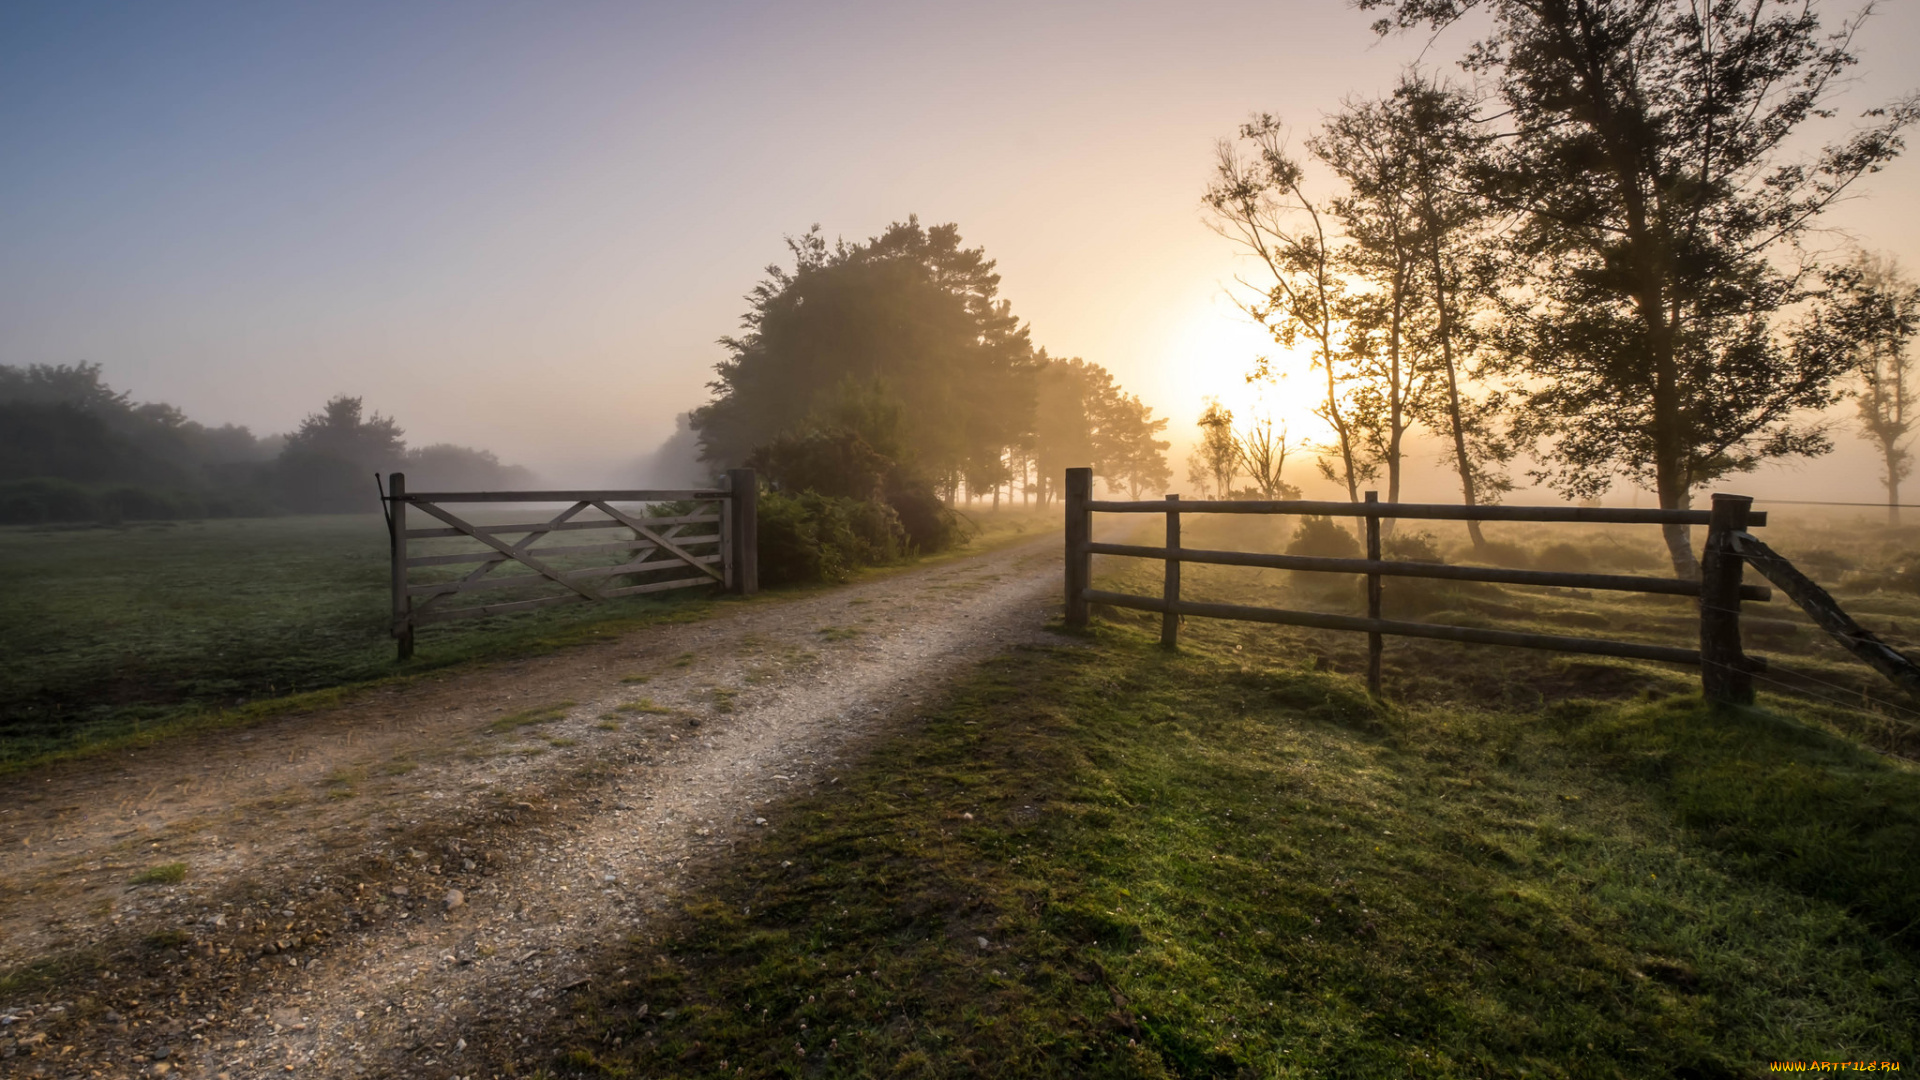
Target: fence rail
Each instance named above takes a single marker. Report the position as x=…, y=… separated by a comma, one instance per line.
x=1442, y=571
x=1601, y=515
x=1726, y=670
x=662, y=552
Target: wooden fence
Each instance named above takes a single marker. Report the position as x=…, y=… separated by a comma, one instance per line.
x=1726, y=671
x=714, y=544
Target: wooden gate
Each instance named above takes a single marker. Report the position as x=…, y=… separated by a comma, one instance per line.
x=670, y=540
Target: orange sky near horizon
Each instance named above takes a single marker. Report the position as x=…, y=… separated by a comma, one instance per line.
x=523, y=227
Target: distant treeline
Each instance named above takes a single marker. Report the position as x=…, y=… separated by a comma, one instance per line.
x=74, y=449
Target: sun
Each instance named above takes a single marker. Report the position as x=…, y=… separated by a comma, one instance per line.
x=1214, y=348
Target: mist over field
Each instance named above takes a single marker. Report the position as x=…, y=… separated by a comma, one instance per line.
x=1125, y=540
x=521, y=232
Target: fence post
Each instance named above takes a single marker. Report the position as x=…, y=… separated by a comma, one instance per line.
x=1169, y=622
x=397, y=526
x=1374, y=643
x=1724, y=676
x=744, y=529
x=1079, y=492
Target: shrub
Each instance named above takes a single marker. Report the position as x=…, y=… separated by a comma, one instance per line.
x=1564, y=557
x=835, y=462
x=1409, y=546
x=1323, y=536
x=810, y=537
x=930, y=525
x=40, y=500
x=839, y=463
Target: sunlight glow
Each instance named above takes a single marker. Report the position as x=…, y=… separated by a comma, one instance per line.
x=1214, y=347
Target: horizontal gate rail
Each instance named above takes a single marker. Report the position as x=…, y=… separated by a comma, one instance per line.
x=1599, y=515
x=547, y=527
x=688, y=495
x=572, y=549
x=1442, y=571
x=1726, y=670
x=711, y=546
x=1437, y=631
x=641, y=566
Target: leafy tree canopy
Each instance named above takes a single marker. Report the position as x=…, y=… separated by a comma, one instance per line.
x=1654, y=156
x=911, y=315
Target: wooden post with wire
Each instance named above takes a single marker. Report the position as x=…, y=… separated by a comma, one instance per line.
x=397, y=527
x=1725, y=677
x=1374, y=641
x=1079, y=535
x=1170, y=591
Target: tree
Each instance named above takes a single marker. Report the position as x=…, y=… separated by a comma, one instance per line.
x=1435, y=133
x=1259, y=203
x=64, y=421
x=1873, y=310
x=911, y=314
x=342, y=430
x=1199, y=473
x=1261, y=453
x=1217, y=452
x=1392, y=382
x=1133, y=456
x=326, y=464
x=1645, y=156
x=1081, y=417
x=446, y=467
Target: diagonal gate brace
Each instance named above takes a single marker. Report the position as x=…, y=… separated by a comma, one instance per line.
x=453, y=588
x=516, y=552
x=666, y=545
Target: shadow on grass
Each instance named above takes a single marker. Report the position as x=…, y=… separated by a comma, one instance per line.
x=1116, y=861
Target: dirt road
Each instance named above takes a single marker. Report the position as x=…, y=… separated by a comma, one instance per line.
x=404, y=885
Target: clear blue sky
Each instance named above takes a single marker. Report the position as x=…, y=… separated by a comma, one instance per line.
x=522, y=226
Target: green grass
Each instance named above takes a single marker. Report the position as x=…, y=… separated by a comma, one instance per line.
x=119, y=634
x=165, y=874
x=1224, y=862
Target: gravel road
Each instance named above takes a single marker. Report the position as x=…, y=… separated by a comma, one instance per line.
x=405, y=884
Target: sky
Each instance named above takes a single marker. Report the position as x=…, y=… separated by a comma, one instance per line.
x=523, y=226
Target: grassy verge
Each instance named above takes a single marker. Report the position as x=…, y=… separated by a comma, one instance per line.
x=118, y=637
x=1100, y=859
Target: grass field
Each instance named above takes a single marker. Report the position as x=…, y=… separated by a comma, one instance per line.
x=1101, y=859
x=111, y=633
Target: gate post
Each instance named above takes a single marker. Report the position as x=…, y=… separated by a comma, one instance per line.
x=743, y=529
x=1079, y=534
x=1373, y=595
x=1170, y=589
x=1724, y=676
x=397, y=527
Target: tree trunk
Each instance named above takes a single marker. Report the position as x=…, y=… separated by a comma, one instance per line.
x=1889, y=455
x=1397, y=390
x=1455, y=419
